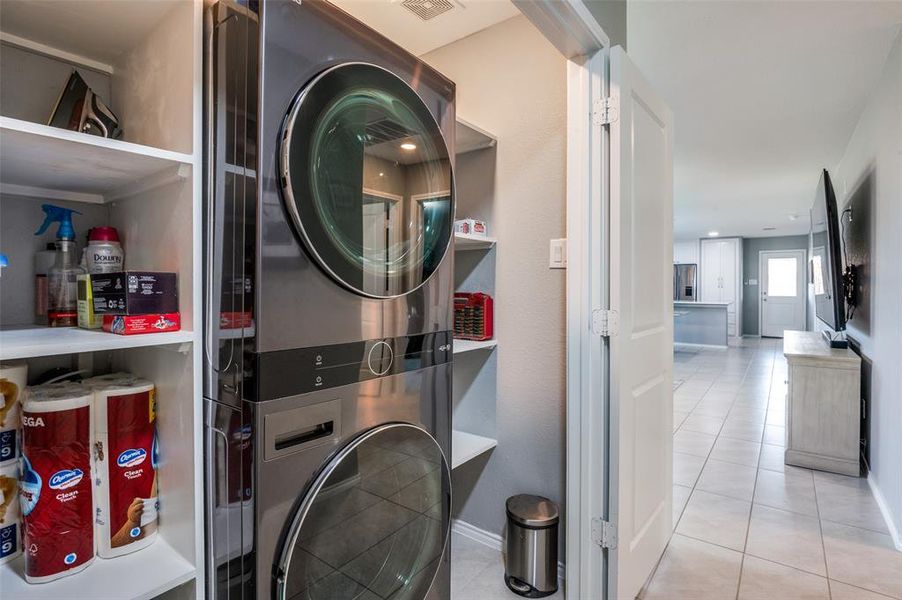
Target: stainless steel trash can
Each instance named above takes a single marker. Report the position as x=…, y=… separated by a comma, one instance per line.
x=530, y=563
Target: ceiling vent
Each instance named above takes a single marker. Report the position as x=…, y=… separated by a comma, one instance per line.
x=427, y=9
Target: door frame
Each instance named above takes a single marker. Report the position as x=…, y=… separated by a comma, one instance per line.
x=572, y=29
x=803, y=290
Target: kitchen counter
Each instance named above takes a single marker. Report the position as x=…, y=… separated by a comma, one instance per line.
x=700, y=323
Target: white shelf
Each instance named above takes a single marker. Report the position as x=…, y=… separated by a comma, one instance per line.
x=467, y=446
x=469, y=137
x=461, y=346
x=137, y=576
x=34, y=341
x=57, y=164
x=467, y=241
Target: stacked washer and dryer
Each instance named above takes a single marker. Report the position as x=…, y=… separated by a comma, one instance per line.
x=328, y=304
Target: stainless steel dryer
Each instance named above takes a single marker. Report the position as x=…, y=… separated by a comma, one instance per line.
x=328, y=308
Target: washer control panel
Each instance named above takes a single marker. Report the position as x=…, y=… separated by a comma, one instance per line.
x=289, y=372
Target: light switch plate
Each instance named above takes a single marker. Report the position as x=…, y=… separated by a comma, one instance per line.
x=557, y=254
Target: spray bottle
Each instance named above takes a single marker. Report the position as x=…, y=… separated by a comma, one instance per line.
x=62, y=296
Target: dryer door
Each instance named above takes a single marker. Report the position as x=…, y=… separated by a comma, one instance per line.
x=373, y=523
x=366, y=179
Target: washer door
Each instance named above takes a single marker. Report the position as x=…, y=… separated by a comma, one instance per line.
x=374, y=522
x=366, y=179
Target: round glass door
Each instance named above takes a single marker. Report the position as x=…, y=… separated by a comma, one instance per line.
x=366, y=179
x=373, y=524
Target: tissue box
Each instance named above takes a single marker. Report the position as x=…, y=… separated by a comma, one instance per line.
x=132, y=324
x=134, y=293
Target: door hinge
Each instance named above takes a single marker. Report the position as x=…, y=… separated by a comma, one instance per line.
x=604, y=533
x=605, y=322
x=605, y=111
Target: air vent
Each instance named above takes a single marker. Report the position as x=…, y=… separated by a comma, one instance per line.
x=768, y=229
x=385, y=130
x=427, y=9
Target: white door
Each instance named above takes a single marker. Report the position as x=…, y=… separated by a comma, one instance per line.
x=783, y=292
x=641, y=351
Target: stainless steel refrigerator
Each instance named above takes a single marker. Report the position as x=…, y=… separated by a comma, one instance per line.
x=684, y=284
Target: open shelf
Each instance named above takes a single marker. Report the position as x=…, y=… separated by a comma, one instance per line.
x=467, y=446
x=469, y=137
x=138, y=576
x=461, y=346
x=467, y=241
x=71, y=165
x=28, y=342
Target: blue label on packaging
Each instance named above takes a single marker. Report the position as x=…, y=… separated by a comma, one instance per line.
x=8, y=449
x=9, y=540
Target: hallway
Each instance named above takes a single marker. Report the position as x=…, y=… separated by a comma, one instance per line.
x=746, y=525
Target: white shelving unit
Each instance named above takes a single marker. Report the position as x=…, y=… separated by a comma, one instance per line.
x=475, y=368
x=468, y=241
x=144, y=57
x=461, y=346
x=467, y=446
x=145, y=575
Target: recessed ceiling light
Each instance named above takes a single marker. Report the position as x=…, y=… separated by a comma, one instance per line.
x=408, y=146
x=381, y=174
x=713, y=233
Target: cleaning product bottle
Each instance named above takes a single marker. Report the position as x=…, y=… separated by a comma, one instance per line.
x=104, y=252
x=62, y=296
x=43, y=261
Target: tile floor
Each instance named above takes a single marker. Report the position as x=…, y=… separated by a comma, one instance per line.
x=746, y=525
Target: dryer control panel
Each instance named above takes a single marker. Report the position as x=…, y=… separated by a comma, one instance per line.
x=298, y=371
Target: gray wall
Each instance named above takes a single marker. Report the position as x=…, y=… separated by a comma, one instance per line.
x=750, y=249
x=611, y=15
x=518, y=93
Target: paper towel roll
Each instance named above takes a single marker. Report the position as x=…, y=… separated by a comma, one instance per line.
x=13, y=378
x=55, y=482
x=10, y=518
x=125, y=469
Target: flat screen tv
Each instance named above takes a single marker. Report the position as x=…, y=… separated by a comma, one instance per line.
x=826, y=257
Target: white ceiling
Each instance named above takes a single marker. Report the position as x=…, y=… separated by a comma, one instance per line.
x=398, y=24
x=764, y=95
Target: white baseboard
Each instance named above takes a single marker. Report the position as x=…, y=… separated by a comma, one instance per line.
x=887, y=514
x=492, y=540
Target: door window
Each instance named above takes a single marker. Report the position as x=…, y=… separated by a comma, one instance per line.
x=373, y=524
x=366, y=178
x=782, y=277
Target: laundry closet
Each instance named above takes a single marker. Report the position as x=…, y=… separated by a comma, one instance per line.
x=140, y=67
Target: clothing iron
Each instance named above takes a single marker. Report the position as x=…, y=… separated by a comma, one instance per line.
x=80, y=109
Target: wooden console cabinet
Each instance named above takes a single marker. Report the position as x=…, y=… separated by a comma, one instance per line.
x=823, y=407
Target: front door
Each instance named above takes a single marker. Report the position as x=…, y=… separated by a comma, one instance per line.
x=641, y=348
x=782, y=305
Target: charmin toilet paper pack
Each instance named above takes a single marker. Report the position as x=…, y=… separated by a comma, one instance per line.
x=125, y=459
x=55, y=482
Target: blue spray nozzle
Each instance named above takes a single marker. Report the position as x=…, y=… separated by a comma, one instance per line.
x=59, y=214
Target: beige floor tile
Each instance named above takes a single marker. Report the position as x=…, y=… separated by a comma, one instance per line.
x=703, y=424
x=687, y=468
x=775, y=435
x=728, y=479
x=741, y=452
x=713, y=408
x=678, y=418
x=683, y=404
x=715, y=572
x=776, y=417
x=792, y=490
x=787, y=538
x=844, y=591
x=747, y=413
x=772, y=457
x=693, y=442
x=715, y=519
x=680, y=497
x=765, y=580
x=848, y=500
x=863, y=558
x=740, y=429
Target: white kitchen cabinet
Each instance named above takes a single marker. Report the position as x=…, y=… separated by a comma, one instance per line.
x=720, y=278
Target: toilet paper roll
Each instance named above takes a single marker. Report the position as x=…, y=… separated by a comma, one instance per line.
x=125, y=467
x=10, y=518
x=13, y=378
x=55, y=482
